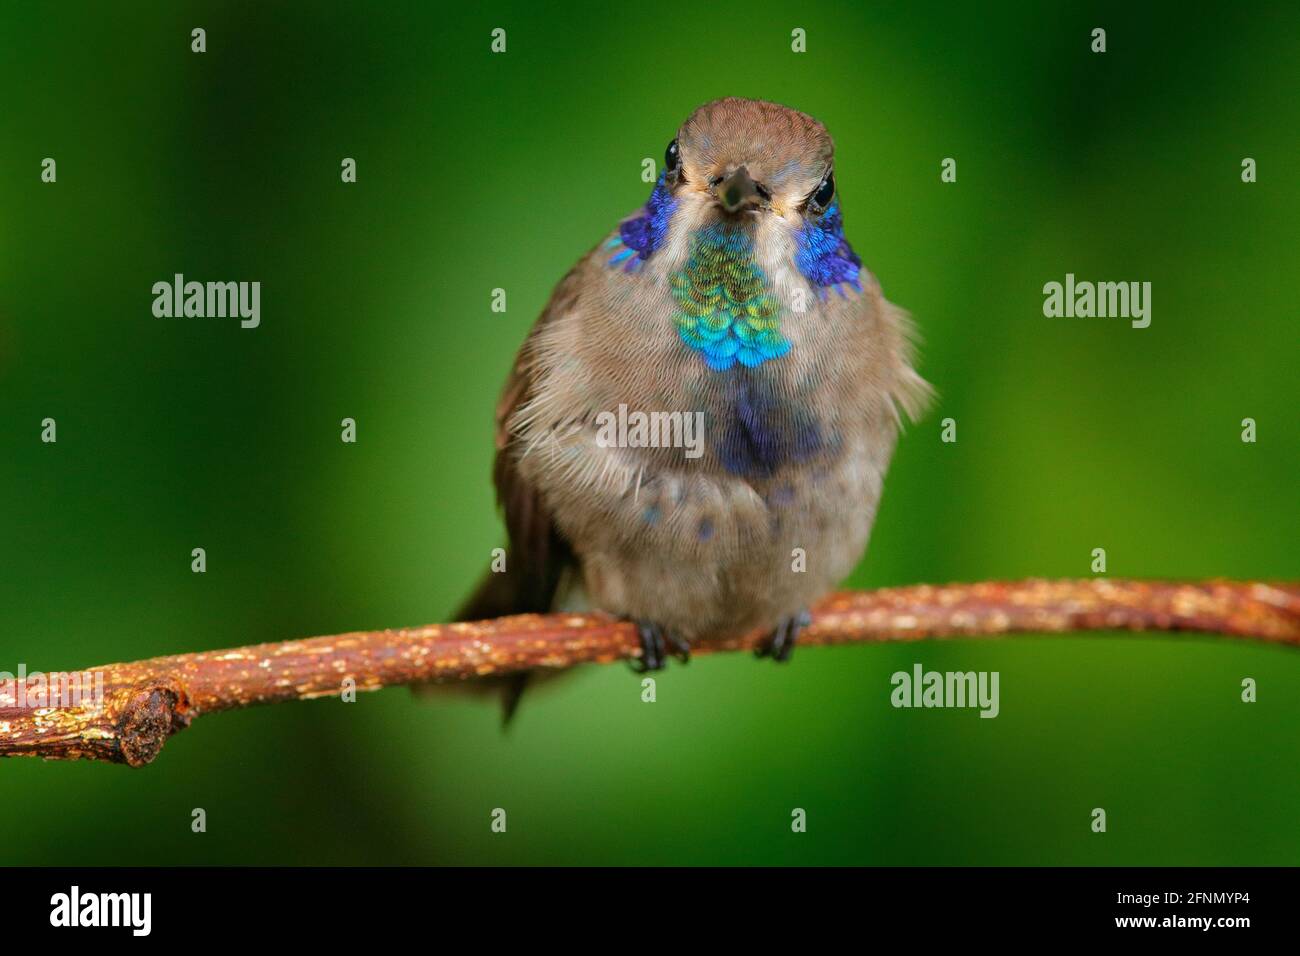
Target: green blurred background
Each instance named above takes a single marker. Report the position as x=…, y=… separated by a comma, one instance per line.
x=478, y=171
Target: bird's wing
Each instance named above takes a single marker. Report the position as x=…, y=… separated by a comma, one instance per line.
x=538, y=556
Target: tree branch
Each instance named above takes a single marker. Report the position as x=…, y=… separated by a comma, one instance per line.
x=144, y=702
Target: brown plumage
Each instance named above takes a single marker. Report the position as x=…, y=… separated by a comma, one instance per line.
x=794, y=450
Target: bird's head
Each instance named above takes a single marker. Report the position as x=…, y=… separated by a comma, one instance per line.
x=736, y=157
x=755, y=179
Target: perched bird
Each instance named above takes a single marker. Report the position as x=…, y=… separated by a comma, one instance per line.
x=733, y=301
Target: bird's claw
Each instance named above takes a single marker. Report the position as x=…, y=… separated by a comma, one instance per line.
x=780, y=643
x=657, y=644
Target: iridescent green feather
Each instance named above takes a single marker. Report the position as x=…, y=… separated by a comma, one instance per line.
x=726, y=309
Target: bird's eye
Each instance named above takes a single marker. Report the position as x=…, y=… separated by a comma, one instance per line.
x=825, y=193
x=672, y=159
x=820, y=199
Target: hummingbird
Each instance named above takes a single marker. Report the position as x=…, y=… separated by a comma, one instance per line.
x=732, y=300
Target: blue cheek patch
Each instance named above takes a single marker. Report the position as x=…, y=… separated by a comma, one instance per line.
x=639, y=236
x=825, y=257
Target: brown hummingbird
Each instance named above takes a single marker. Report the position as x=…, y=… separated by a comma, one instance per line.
x=695, y=433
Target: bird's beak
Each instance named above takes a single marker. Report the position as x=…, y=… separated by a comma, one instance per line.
x=737, y=191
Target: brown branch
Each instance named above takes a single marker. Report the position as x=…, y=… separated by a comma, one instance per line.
x=146, y=701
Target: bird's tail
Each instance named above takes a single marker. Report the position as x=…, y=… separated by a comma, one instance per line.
x=497, y=595
x=500, y=594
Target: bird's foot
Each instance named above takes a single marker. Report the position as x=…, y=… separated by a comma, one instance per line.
x=657, y=643
x=780, y=643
